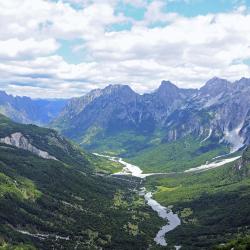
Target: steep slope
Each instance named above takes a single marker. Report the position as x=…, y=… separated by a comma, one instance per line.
x=27, y=110
x=214, y=122
x=60, y=202
x=147, y=129
x=116, y=117
x=220, y=111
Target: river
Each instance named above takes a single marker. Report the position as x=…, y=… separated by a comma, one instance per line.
x=163, y=212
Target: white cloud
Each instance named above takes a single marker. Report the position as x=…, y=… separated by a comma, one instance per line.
x=16, y=49
x=187, y=51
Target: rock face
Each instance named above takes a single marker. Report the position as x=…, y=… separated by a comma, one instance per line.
x=117, y=108
x=27, y=110
x=18, y=140
x=220, y=110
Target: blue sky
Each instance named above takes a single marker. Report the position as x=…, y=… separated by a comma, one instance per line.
x=65, y=48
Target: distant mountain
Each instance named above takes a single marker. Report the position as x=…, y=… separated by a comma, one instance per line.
x=27, y=110
x=117, y=108
x=51, y=196
x=119, y=121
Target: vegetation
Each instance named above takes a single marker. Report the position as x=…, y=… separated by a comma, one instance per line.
x=178, y=155
x=213, y=205
x=242, y=242
x=64, y=204
x=152, y=154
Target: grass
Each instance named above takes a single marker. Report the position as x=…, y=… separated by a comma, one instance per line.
x=21, y=187
x=67, y=198
x=177, y=156
x=213, y=205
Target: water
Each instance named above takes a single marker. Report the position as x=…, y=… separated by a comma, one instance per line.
x=165, y=213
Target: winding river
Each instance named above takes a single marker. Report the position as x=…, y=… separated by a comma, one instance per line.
x=165, y=213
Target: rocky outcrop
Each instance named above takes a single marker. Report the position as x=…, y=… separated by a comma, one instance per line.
x=20, y=141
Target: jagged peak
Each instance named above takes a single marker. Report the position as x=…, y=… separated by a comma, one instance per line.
x=216, y=80
x=243, y=80
x=113, y=88
x=2, y=92
x=117, y=86
x=167, y=84
x=215, y=86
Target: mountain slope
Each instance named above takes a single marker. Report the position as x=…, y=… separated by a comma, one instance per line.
x=104, y=117
x=211, y=121
x=27, y=110
x=62, y=203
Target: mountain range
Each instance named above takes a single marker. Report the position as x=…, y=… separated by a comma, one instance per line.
x=27, y=110
x=117, y=120
x=214, y=119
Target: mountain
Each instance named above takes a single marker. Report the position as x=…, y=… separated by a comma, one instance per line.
x=220, y=110
x=27, y=110
x=53, y=195
x=117, y=110
x=213, y=120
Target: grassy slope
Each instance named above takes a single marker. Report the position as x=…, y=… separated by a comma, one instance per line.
x=148, y=151
x=66, y=198
x=213, y=205
x=177, y=156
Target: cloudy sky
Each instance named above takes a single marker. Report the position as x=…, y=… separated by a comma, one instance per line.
x=65, y=48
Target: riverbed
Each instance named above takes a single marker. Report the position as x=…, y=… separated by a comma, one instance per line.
x=163, y=212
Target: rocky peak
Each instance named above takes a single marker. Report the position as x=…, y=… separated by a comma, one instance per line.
x=215, y=86
x=4, y=97
x=168, y=93
x=242, y=83
x=167, y=86
x=118, y=88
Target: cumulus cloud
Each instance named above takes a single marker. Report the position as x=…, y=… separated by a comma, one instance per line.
x=17, y=49
x=185, y=50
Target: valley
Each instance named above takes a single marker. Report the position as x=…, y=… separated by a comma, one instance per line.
x=119, y=170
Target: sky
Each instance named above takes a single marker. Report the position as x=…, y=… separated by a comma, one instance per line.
x=65, y=48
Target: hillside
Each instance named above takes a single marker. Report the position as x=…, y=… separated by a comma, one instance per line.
x=59, y=202
x=213, y=205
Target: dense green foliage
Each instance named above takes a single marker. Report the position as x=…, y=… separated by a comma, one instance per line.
x=213, y=205
x=153, y=155
x=64, y=204
x=242, y=242
x=177, y=156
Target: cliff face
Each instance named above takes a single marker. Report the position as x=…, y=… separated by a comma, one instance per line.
x=20, y=141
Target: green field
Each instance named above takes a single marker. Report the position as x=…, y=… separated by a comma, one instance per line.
x=177, y=156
